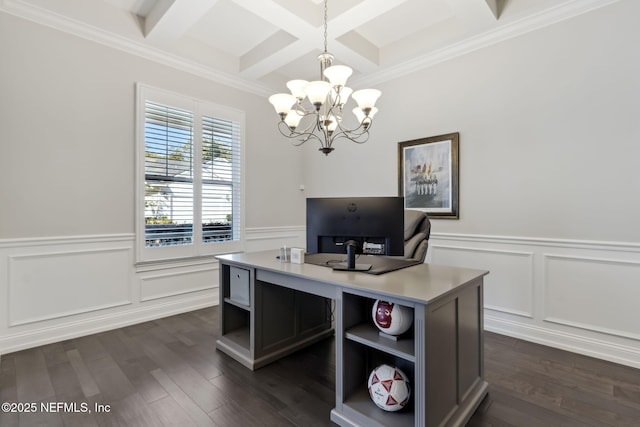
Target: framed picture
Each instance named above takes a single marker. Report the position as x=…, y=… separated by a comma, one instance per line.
x=428, y=175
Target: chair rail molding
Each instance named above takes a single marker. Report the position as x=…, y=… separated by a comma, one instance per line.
x=61, y=287
x=57, y=288
x=577, y=295
x=569, y=294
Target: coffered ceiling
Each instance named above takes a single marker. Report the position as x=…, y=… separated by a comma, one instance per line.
x=259, y=44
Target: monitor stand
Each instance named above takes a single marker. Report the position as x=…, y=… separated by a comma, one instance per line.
x=351, y=265
x=343, y=266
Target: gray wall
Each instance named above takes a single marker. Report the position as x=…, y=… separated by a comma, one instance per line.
x=549, y=132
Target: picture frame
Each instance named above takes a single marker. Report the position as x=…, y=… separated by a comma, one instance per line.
x=428, y=171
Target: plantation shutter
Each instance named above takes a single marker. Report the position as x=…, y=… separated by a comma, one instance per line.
x=169, y=197
x=189, y=200
x=220, y=179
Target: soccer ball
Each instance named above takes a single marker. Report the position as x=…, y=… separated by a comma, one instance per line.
x=390, y=318
x=389, y=388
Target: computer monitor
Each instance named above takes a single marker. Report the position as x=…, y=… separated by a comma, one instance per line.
x=350, y=225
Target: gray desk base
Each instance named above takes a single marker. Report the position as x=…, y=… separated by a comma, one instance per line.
x=289, y=307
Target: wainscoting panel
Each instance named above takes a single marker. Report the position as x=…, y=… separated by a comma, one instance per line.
x=583, y=293
x=509, y=285
x=267, y=238
x=574, y=295
x=48, y=285
x=53, y=289
x=580, y=296
x=168, y=284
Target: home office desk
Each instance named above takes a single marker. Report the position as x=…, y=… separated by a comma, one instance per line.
x=269, y=309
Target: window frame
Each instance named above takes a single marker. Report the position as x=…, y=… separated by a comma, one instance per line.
x=199, y=108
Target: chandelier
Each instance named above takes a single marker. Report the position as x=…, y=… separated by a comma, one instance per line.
x=313, y=110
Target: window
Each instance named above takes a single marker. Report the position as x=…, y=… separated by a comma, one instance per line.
x=189, y=185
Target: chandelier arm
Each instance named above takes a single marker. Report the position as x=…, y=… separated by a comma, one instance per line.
x=354, y=134
x=302, y=111
x=302, y=137
x=357, y=138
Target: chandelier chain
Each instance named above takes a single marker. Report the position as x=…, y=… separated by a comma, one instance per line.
x=325, y=26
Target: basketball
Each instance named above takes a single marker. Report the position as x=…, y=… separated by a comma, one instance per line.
x=390, y=318
x=389, y=388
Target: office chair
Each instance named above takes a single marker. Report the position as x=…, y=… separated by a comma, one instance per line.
x=417, y=229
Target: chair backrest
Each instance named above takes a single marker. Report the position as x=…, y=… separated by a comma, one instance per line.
x=417, y=229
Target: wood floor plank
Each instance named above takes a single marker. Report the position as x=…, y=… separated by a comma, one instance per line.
x=628, y=394
x=253, y=402
x=239, y=414
x=133, y=411
x=69, y=390
x=88, y=384
x=54, y=354
x=134, y=363
x=199, y=358
x=8, y=390
x=187, y=378
x=171, y=414
x=89, y=347
x=40, y=418
x=111, y=381
x=168, y=373
x=32, y=377
x=515, y=409
x=193, y=410
x=66, y=383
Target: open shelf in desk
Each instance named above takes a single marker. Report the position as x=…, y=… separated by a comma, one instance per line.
x=240, y=337
x=237, y=304
x=361, y=403
x=236, y=326
x=369, y=335
x=359, y=361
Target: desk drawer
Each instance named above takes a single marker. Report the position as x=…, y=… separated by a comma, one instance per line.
x=239, y=285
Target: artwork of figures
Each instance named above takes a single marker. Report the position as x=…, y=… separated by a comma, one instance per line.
x=428, y=175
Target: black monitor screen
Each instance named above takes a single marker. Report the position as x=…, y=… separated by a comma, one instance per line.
x=375, y=223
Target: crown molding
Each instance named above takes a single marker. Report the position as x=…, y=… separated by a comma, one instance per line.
x=516, y=28
x=504, y=32
x=50, y=19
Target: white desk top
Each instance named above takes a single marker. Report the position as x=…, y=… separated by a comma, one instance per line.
x=421, y=283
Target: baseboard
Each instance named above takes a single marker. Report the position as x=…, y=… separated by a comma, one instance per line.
x=90, y=283
x=588, y=346
x=34, y=337
x=575, y=295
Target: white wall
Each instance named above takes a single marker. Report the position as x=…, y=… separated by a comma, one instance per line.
x=67, y=210
x=549, y=147
x=548, y=126
x=67, y=111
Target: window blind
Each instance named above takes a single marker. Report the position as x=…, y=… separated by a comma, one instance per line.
x=169, y=183
x=220, y=179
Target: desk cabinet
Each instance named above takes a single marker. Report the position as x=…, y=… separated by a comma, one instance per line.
x=289, y=307
x=441, y=354
x=271, y=322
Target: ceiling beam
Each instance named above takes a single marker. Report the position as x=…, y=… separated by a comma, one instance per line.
x=254, y=64
x=309, y=37
x=476, y=14
x=347, y=42
x=169, y=20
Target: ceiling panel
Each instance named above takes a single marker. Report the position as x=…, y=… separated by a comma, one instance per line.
x=408, y=18
x=230, y=28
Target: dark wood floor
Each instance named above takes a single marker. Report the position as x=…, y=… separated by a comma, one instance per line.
x=168, y=373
